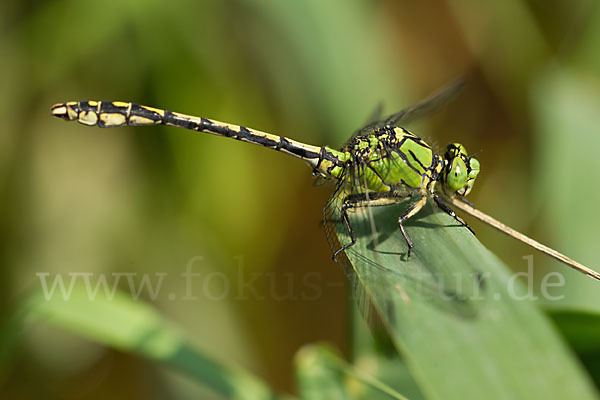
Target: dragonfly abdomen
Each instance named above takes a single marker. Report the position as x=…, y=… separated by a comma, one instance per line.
x=105, y=114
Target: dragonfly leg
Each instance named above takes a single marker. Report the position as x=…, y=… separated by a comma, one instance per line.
x=466, y=201
x=360, y=201
x=446, y=208
x=348, y=203
x=410, y=212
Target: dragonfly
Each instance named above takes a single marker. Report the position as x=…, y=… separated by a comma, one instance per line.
x=381, y=164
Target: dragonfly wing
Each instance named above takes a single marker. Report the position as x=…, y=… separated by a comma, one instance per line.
x=428, y=106
x=381, y=278
x=376, y=259
x=374, y=120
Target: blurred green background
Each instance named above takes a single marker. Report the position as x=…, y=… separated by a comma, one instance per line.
x=155, y=200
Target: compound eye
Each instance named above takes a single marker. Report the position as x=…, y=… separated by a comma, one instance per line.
x=456, y=177
x=474, y=168
x=450, y=152
x=454, y=150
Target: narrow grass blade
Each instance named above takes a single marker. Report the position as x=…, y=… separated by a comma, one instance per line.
x=323, y=374
x=316, y=378
x=134, y=327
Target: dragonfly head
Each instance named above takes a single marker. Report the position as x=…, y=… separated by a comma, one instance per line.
x=460, y=170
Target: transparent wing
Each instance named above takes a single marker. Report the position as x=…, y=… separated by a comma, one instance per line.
x=373, y=122
x=376, y=266
x=426, y=107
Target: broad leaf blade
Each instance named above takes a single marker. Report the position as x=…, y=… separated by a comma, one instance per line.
x=451, y=311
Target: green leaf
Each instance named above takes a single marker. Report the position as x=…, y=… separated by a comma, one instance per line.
x=380, y=363
x=316, y=375
x=565, y=107
x=391, y=372
x=580, y=328
x=134, y=327
x=453, y=312
x=322, y=374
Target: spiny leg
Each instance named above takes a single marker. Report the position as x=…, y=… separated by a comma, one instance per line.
x=466, y=201
x=360, y=201
x=446, y=208
x=410, y=212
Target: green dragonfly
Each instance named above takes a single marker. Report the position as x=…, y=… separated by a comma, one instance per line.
x=382, y=164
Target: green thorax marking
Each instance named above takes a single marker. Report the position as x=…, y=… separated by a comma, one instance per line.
x=390, y=158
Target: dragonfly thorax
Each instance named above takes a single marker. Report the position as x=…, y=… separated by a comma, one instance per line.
x=390, y=158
